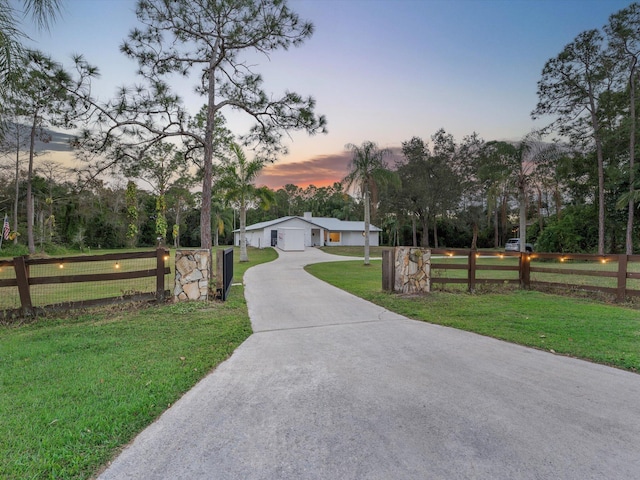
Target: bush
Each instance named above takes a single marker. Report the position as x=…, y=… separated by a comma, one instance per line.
x=10, y=250
x=575, y=232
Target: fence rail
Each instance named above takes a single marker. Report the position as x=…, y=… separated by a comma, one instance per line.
x=46, y=273
x=616, y=275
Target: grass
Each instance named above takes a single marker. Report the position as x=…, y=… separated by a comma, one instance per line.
x=74, y=390
x=574, y=280
x=374, y=252
x=590, y=330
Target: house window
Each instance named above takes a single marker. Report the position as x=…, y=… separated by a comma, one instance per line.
x=334, y=237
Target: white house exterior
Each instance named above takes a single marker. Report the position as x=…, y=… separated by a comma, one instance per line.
x=318, y=231
x=291, y=239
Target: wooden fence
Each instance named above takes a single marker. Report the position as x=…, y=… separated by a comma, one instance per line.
x=615, y=275
x=121, y=267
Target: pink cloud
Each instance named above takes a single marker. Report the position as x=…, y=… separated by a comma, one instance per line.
x=321, y=171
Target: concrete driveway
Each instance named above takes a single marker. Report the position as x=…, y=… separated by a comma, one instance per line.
x=332, y=387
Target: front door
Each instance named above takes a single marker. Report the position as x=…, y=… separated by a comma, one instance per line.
x=274, y=238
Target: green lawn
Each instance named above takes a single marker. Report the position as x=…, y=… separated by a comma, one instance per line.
x=354, y=251
x=595, y=331
x=74, y=390
x=512, y=261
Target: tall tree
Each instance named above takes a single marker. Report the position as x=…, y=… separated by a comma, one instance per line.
x=368, y=171
x=180, y=200
x=222, y=215
x=237, y=177
x=39, y=94
x=623, y=34
x=447, y=172
x=131, y=198
x=571, y=88
x=160, y=167
x=431, y=186
x=15, y=141
x=472, y=192
x=210, y=36
x=416, y=194
x=53, y=172
x=519, y=161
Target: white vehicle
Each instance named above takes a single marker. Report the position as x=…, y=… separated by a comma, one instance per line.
x=513, y=245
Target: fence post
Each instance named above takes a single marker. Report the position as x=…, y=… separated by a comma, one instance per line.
x=22, y=278
x=388, y=269
x=472, y=271
x=160, y=254
x=525, y=270
x=621, y=292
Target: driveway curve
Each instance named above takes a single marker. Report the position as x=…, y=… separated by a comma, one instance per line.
x=330, y=386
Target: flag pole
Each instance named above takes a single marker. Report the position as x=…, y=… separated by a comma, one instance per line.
x=3, y=224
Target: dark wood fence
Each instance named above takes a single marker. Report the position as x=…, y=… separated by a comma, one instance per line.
x=24, y=281
x=615, y=275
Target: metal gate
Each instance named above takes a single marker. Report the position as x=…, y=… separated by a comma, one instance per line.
x=224, y=272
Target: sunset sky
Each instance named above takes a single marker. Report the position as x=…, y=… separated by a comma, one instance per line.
x=380, y=70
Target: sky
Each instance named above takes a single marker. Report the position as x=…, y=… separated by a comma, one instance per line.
x=379, y=70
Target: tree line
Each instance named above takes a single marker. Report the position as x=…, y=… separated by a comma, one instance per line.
x=572, y=186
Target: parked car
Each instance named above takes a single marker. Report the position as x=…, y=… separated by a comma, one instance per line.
x=513, y=245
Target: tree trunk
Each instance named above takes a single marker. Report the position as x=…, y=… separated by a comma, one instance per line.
x=414, y=230
x=424, y=241
x=41, y=228
x=496, y=228
x=540, y=219
x=503, y=216
x=557, y=196
x=474, y=240
x=632, y=148
x=243, y=235
x=17, y=196
x=32, y=145
x=207, y=178
x=367, y=220
x=435, y=233
x=595, y=124
x=176, y=238
x=523, y=218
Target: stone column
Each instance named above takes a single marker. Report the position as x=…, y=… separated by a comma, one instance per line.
x=412, y=270
x=192, y=275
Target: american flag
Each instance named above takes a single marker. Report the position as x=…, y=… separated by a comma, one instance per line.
x=5, y=228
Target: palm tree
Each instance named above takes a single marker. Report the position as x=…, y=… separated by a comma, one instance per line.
x=367, y=173
x=520, y=161
x=221, y=215
x=43, y=12
x=236, y=181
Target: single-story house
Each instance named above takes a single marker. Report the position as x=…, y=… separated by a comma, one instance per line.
x=318, y=231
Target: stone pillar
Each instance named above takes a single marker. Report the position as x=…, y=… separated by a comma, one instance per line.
x=192, y=275
x=412, y=270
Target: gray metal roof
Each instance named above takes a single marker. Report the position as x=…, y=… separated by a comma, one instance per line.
x=335, y=225
x=331, y=224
